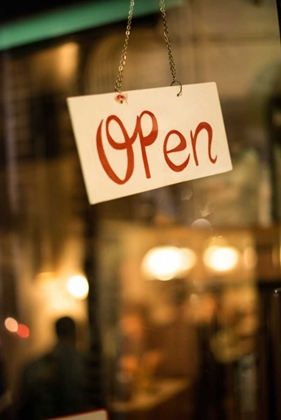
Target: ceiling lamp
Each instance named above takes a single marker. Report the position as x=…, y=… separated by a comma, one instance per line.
x=167, y=262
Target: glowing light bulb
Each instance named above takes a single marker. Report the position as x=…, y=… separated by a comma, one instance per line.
x=165, y=263
x=221, y=258
x=78, y=287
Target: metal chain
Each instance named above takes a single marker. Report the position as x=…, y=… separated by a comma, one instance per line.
x=122, y=63
x=168, y=41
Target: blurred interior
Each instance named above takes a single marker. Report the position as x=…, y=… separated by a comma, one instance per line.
x=175, y=291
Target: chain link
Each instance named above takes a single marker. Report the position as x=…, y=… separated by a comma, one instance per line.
x=168, y=41
x=122, y=62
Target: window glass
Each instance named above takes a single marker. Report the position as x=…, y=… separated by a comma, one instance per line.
x=161, y=304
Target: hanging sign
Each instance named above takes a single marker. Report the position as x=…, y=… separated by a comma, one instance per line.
x=147, y=139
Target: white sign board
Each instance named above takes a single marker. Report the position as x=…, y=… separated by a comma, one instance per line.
x=153, y=139
x=94, y=415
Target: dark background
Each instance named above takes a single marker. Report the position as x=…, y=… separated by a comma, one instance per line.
x=14, y=9
x=10, y=10
x=279, y=13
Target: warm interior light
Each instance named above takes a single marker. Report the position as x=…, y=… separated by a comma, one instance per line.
x=68, y=54
x=78, y=286
x=165, y=263
x=250, y=258
x=45, y=276
x=188, y=259
x=11, y=325
x=23, y=331
x=221, y=258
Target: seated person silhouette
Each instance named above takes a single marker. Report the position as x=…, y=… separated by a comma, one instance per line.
x=54, y=385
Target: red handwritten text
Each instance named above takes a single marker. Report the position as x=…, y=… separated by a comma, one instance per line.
x=145, y=142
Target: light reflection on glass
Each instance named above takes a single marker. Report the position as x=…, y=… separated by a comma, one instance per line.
x=201, y=224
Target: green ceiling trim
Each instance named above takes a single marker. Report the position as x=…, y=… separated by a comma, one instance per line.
x=72, y=19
